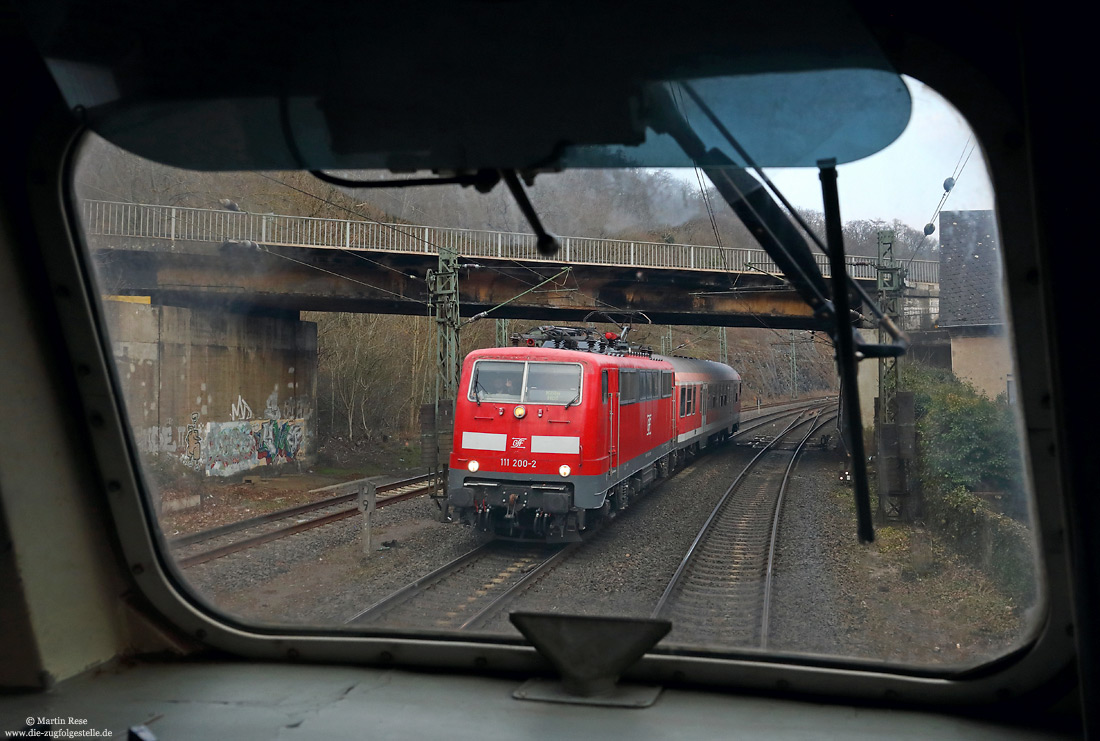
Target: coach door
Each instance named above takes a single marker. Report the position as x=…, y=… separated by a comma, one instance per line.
x=609, y=386
x=705, y=396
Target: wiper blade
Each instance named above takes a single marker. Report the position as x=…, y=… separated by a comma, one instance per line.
x=770, y=226
x=846, y=359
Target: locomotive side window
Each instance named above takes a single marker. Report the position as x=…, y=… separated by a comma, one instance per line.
x=553, y=383
x=666, y=384
x=496, y=380
x=628, y=386
x=603, y=387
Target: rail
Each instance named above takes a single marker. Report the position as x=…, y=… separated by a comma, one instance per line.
x=176, y=223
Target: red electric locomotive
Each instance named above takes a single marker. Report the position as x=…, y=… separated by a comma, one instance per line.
x=568, y=425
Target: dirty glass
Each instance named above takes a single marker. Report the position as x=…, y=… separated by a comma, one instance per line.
x=497, y=381
x=281, y=345
x=553, y=383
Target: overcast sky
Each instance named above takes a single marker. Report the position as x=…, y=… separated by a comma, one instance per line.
x=905, y=180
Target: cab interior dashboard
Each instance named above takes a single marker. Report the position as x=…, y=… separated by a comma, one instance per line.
x=99, y=631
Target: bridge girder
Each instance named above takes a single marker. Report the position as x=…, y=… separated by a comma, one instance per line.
x=273, y=280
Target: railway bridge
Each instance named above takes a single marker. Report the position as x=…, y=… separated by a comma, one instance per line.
x=218, y=369
x=278, y=263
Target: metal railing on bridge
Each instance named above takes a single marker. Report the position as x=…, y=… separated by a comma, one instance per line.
x=174, y=223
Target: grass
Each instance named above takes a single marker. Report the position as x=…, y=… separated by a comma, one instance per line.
x=917, y=586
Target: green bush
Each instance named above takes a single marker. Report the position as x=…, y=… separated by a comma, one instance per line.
x=966, y=439
x=967, y=443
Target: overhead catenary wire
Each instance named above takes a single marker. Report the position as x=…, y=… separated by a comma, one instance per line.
x=396, y=230
x=531, y=286
x=345, y=277
x=704, y=193
x=883, y=320
x=417, y=237
x=485, y=314
x=949, y=187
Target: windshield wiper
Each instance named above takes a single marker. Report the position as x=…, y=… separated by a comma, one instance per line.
x=770, y=226
x=575, y=400
x=477, y=385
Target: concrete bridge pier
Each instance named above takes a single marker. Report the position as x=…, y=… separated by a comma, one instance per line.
x=222, y=392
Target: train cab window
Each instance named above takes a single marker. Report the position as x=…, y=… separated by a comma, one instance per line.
x=497, y=381
x=553, y=383
x=258, y=369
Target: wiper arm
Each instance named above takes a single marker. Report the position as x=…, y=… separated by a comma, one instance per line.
x=546, y=242
x=846, y=359
x=760, y=213
x=477, y=385
x=770, y=226
x=575, y=400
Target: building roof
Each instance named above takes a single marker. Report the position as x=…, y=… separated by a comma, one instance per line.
x=971, y=291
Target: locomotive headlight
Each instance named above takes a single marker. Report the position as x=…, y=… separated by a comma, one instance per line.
x=520, y=412
x=473, y=466
x=564, y=470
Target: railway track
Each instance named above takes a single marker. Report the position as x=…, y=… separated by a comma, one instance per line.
x=472, y=590
x=468, y=592
x=721, y=591
x=207, y=545
x=769, y=418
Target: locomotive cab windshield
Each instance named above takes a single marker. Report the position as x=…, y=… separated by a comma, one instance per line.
x=560, y=434
x=311, y=448
x=511, y=382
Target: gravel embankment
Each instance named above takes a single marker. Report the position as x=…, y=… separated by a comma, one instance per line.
x=806, y=614
x=831, y=596
x=322, y=577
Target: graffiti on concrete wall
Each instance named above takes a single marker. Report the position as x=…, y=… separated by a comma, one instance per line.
x=192, y=443
x=271, y=410
x=240, y=409
x=232, y=447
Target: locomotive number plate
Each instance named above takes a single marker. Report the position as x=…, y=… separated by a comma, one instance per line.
x=516, y=463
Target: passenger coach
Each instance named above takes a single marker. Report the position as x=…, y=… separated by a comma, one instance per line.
x=554, y=433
